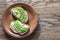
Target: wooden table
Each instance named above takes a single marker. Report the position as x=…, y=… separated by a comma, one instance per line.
x=48, y=27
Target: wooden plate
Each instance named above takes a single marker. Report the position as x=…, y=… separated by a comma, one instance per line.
x=7, y=18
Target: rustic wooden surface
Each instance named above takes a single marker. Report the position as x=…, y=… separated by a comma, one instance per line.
x=48, y=27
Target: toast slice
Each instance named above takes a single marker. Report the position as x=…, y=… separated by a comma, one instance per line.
x=18, y=27
x=20, y=14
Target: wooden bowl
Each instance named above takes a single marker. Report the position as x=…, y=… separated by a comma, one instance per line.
x=7, y=18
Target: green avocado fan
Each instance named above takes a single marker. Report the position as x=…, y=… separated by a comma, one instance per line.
x=20, y=14
x=18, y=27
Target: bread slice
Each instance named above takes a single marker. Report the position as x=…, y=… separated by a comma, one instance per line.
x=21, y=16
x=23, y=29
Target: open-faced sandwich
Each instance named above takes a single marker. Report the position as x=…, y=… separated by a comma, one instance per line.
x=20, y=14
x=18, y=27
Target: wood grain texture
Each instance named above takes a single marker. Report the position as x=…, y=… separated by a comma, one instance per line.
x=48, y=27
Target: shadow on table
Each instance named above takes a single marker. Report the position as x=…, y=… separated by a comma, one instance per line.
x=34, y=36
